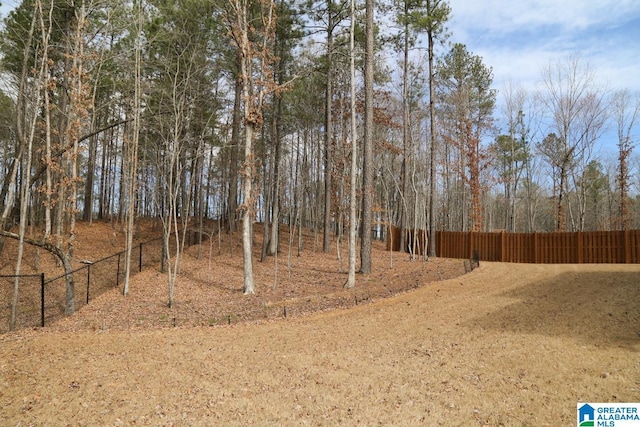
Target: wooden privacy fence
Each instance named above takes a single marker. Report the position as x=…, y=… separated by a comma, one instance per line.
x=417, y=244
x=542, y=248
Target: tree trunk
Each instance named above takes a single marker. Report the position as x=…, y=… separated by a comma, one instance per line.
x=24, y=200
x=473, y=144
x=328, y=131
x=351, y=278
x=274, y=238
x=247, y=214
x=88, y=186
x=132, y=152
x=232, y=202
x=405, y=130
x=268, y=203
x=561, y=216
x=367, y=169
x=432, y=149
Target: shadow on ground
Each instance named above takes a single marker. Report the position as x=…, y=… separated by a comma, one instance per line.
x=596, y=308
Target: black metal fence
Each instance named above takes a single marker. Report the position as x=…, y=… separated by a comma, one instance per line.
x=30, y=304
x=42, y=300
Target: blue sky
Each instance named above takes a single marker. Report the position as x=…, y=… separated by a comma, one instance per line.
x=518, y=38
x=6, y=6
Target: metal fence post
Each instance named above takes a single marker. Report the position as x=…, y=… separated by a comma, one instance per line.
x=88, y=280
x=42, y=299
x=140, y=259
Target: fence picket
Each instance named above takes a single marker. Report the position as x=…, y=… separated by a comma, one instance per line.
x=540, y=248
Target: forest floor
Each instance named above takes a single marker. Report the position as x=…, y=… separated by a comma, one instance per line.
x=415, y=343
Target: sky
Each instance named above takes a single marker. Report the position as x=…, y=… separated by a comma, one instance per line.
x=6, y=6
x=518, y=38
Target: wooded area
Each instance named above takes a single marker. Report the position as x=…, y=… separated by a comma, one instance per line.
x=309, y=113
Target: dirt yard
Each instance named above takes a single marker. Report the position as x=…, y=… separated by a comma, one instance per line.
x=511, y=345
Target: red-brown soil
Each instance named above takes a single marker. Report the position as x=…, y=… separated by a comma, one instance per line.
x=511, y=345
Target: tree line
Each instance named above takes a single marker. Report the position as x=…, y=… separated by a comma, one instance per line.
x=340, y=116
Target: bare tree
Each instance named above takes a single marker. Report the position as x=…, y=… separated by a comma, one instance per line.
x=626, y=109
x=27, y=139
x=368, y=166
x=132, y=147
x=254, y=42
x=63, y=106
x=328, y=130
x=180, y=121
x=351, y=278
x=512, y=149
x=236, y=119
x=438, y=12
x=577, y=109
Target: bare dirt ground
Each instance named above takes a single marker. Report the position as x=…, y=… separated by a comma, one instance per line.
x=511, y=345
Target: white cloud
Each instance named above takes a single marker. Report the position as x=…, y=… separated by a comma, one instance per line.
x=521, y=67
x=518, y=38
x=503, y=16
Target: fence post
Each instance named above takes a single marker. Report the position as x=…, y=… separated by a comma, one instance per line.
x=42, y=299
x=140, y=260
x=88, y=280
